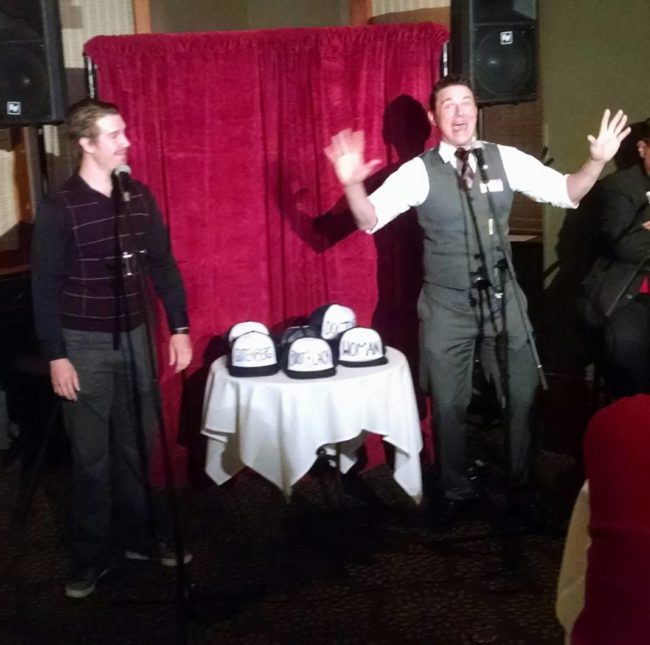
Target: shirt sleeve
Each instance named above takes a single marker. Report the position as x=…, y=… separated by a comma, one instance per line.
x=163, y=270
x=407, y=187
x=531, y=177
x=48, y=272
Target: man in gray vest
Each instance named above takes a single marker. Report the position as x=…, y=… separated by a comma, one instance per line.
x=461, y=253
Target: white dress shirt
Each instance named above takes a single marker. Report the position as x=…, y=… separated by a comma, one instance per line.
x=408, y=186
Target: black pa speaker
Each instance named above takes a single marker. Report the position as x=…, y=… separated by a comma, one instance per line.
x=32, y=76
x=494, y=46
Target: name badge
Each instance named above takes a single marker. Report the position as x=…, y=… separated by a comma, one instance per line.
x=493, y=186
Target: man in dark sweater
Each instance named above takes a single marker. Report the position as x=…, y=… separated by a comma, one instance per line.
x=459, y=224
x=616, y=292
x=91, y=240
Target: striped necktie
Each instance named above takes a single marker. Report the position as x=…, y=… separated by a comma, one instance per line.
x=463, y=168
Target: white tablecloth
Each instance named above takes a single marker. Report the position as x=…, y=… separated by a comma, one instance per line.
x=274, y=424
x=571, y=582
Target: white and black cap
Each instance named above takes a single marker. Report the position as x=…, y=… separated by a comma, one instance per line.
x=244, y=327
x=294, y=332
x=330, y=321
x=253, y=354
x=361, y=347
x=307, y=357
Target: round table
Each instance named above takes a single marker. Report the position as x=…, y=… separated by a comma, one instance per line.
x=275, y=424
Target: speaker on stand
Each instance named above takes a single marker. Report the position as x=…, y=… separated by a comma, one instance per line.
x=494, y=45
x=33, y=87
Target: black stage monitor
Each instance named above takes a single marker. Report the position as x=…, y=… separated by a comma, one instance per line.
x=32, y=75
x=494, y=45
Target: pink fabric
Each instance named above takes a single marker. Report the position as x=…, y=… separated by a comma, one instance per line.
x=617, y=592
x=228, y=130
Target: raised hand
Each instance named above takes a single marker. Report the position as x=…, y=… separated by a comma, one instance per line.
x=346, y=153
x=612, y=131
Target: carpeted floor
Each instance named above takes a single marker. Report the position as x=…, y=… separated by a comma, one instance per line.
x=305, y=572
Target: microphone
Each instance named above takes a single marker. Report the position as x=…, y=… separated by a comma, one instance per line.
x=122, y=176
x=477, y=148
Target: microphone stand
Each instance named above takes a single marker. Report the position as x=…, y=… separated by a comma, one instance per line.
x=132, y=263
x=505, y=269
x=505, y=249
x=497, y=288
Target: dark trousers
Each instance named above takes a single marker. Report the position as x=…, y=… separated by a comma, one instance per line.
x=626, y=349
x=450, y=323
x=110, y=427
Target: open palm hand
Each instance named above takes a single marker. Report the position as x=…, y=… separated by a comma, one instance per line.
x=346, y=153
x=612, y=131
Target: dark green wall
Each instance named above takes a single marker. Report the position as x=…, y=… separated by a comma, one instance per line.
x=594, y=54
x=226, y=15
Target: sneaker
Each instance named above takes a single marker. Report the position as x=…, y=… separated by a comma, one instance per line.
x=163, y=553
x=83, y=583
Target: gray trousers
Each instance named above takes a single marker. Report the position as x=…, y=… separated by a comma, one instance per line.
x=111, y=428
x=450, y=323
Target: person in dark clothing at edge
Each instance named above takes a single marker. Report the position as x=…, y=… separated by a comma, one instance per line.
x=450, y=307
x=615, y=295
x=90, y=321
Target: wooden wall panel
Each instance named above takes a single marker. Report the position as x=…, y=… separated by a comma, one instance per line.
x=360, y=12
x=520, y=126
x=141, y=16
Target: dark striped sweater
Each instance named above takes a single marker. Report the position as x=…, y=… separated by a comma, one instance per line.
x=77, y=276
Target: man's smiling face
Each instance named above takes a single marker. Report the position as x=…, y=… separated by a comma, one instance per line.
x=455, y=115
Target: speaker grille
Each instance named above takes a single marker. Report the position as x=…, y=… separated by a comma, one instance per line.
x=504, y=63
x=494, y=45
x=32, y=80
x=24, y=82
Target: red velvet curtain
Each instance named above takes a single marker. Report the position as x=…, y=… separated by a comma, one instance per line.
x=228, y=130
